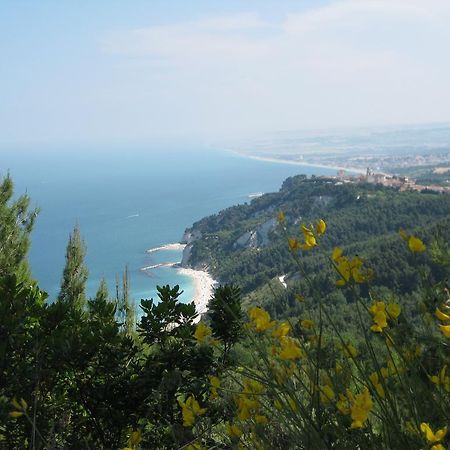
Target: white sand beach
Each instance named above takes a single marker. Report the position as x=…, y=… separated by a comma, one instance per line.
x=167, y=247
x=155, y=266
x=297, y=163
x=203, y=287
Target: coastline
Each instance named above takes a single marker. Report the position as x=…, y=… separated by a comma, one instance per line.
x=176, y=246
x=296, y=163
x=203, y=284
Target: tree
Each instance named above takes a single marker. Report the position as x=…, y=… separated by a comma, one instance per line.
x=16, y=223
x=102, y=294
x=226, y=315
x=75, y=273
x=126, y=314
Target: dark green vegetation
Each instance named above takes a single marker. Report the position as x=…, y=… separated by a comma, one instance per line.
x=90, y=377
x=84, y=375
x=363, y=219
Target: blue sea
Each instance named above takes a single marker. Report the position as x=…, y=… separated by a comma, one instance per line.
x=127, y=200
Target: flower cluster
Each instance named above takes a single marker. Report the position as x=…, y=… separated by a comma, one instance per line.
x=311, y=236
x=380, y=313
x=190, y=409
x=307, y=376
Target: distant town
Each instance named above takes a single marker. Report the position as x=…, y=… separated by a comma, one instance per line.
x=403, y=183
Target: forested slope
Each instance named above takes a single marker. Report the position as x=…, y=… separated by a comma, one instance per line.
x=364, y=219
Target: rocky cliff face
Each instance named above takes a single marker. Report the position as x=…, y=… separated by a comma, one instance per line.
x=259, y=237
x=189, y=237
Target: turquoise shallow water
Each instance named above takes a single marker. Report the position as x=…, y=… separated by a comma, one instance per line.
x=128, y=200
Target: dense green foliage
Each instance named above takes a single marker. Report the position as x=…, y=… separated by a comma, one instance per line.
x=81, y=373
x=362, y=218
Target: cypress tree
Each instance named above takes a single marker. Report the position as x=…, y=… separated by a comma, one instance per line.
x=125, y=309
x=102, y=294
x=75, y=273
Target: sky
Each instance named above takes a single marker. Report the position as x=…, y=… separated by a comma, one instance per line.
x=103, y=71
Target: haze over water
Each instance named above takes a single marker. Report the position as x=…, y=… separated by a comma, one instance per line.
x=129, y=200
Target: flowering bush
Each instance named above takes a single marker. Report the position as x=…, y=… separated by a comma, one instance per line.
x=307, y=388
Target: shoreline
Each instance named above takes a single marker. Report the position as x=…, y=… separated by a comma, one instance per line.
x=295, y=163
x=203, y=284
x=175, y=246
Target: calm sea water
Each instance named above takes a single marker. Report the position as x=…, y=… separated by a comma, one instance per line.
x=129, y=200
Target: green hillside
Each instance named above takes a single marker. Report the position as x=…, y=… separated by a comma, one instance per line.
x=364, y=219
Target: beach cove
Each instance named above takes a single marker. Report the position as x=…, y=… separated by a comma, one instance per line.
x=203, y=283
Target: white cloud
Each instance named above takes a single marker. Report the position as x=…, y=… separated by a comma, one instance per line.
x=349, y=63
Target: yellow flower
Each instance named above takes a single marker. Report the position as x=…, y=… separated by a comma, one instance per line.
x=360, y=408
x=393, y=310
x=190, y=409
x=135, y=438
x=281, y=218
x=215, y=383
x=350, y=269
x=430, y=436
x=202, y=331
x=321, y=227
x=260, y=319
x=337, y=253
x=416, y=245
x=233, y=431
x=308, y=324
x=290, y=349
x=282, y=330
x=438, y=447
x=310, y=242
x=441, y=316
x=445, y=330
x=308, y=235
x=293, y=244
x=378, y=311
x=373, y=377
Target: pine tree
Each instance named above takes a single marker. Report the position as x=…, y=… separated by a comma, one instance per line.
x=75, y=273
x=16, y=223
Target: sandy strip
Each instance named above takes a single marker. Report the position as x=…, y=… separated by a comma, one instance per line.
x=203, y=284
x=169, y=247
x=297, y=163
x=155, y=266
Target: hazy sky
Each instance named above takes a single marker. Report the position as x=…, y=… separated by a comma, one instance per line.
x=105, y=71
